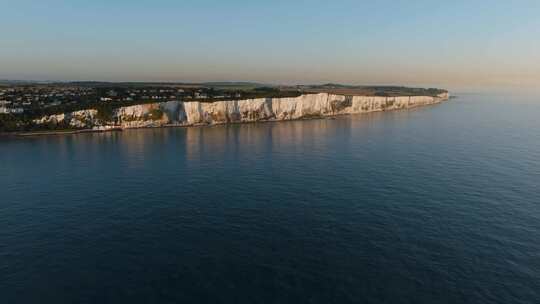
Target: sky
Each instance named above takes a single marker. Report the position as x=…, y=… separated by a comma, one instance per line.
x=422, y=43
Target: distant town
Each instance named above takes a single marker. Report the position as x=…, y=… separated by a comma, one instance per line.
x=30, y=98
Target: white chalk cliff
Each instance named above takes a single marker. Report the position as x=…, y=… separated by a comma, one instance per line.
x=188, y=113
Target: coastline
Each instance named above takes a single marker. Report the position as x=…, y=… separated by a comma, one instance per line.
x=189, y=114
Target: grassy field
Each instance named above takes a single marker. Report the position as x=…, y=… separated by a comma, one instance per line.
x=370, y=90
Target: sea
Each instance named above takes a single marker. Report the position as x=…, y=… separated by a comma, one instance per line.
x=438, y=204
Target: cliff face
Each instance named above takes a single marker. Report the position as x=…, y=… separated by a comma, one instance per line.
x=233, y=111
x=77, y=119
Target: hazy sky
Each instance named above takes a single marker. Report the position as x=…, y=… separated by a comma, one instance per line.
x=442, y=43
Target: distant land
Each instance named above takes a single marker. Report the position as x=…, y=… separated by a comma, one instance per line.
x=36, y=106
x=377, y=90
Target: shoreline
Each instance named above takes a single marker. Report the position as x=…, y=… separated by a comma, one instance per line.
x=59, y=132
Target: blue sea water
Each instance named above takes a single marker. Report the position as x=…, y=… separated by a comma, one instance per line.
x=438, y=204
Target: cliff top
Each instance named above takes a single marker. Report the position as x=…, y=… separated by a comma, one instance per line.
x=353, y=90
